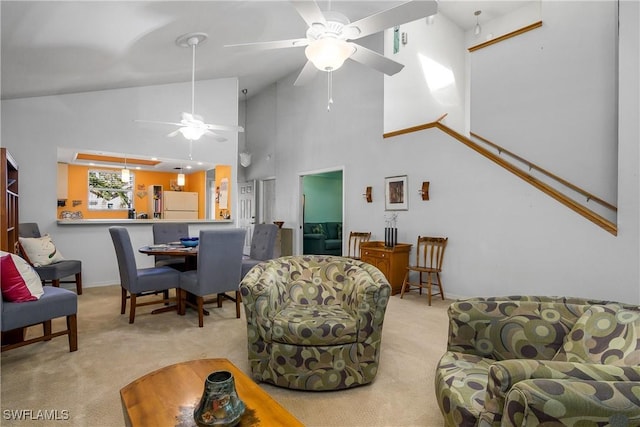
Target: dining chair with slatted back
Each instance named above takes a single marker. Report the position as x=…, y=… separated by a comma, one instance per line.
x=168, y=232
x=355, y=238
x=219, y=270
x=429, y=257
x=56, y=271
x=140, y=282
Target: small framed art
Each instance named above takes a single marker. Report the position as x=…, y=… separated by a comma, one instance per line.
x=395, y=193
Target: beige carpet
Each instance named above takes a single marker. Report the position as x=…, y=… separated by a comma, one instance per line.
x=112, y=353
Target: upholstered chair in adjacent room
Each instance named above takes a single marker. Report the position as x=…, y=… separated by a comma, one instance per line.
x=168, y=232
x=54, y=272
x=219, y=270
x=262, y=246
x=140, y=282
x=314, y=322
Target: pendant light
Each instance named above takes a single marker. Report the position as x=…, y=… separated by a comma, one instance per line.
x=181, y=178
x=125, y=174
x=477, y=28
x=245, y=156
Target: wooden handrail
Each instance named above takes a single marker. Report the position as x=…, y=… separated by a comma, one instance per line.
x=562, y=181
x=545, y=188
x=506, y=36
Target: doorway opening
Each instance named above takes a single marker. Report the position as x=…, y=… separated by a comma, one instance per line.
x=321, y=212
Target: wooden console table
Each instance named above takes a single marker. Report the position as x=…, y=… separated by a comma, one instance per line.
x=392, y=261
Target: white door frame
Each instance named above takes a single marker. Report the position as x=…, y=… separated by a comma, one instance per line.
x=298, y=244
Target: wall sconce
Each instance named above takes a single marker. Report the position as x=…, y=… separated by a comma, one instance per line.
x=367, y=195
x=424, y=191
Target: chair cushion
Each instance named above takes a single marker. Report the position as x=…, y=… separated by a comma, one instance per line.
x=304, y=324
x=605, y=334
x=19, y=280
x=67, y=267
x=40, y=250
x=54, y=302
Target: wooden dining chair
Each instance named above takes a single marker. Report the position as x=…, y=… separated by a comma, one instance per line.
x=429, y=257
x=355, y=238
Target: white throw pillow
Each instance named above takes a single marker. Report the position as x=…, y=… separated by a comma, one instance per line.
x=29, y=275
x=40, y=250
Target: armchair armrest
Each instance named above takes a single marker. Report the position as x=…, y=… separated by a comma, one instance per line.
x=505, y=375
x=570, y=402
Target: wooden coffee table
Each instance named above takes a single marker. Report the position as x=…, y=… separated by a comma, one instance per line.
x=168, y=396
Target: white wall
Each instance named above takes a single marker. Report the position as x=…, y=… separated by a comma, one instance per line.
x=505, y=237
x=33, y=129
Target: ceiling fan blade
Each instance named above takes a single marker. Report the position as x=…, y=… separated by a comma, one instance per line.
x=159, y=123
x=375, y=60
x=278, y=44
x=174, y=133
x=215, y=136
x=389, y=18
x=224, y=127
x=307, y=74
x=310, y=12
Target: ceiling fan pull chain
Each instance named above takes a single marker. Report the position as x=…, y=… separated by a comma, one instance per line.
x=190, y=149
x=329, y=90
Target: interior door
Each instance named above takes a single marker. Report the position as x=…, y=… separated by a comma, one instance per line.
x=247, y=214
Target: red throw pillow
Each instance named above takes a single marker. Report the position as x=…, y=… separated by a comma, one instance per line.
x=14, y=288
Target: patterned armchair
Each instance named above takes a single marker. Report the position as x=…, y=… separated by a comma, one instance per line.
x=314, y=322
x=529, y=361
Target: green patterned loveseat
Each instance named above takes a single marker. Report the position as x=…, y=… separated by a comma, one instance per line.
x=314, y=322
x=529, y=361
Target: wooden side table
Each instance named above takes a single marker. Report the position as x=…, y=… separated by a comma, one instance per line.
x=392, y=261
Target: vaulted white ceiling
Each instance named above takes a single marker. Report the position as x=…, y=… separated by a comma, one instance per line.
x=55, y=47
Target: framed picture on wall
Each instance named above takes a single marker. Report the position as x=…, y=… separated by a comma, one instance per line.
x=395, y=193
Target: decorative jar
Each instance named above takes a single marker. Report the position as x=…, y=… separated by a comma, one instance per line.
x=219, y=404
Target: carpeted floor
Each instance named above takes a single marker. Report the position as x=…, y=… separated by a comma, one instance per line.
x=85, y=384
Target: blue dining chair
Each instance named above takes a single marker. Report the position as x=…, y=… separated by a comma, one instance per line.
x=219, y=270
x=140, y=282
x=263, y=243
x=167, y=232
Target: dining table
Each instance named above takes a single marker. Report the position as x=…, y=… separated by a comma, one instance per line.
x=176, y=249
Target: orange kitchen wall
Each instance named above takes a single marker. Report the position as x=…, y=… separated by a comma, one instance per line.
x=78, y=191
x=223, y=171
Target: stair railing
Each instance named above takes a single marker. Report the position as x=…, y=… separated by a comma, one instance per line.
x=539, y=183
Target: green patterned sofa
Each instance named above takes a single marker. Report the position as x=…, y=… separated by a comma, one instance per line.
x=529, y=361
x=314, y=322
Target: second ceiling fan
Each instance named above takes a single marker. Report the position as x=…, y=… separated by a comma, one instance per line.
x=328, y=37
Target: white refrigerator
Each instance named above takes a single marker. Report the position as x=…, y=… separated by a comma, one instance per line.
x=180, y=205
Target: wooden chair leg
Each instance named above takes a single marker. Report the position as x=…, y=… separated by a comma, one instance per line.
x=220, y=298
x=56, y=283
x=79, y=283
x=237, y=304
x=429, y=287
x=46, y=330
x=123, y=304
x=404, y=284
x=200, y=311
x=440, y=286
x=72, y=327
x=132, y=309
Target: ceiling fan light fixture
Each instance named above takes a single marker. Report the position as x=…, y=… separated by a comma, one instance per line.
x=328, y=53
x=192, y=133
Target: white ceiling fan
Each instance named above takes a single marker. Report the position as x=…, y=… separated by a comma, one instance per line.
x=192, y=126
x=328, y=37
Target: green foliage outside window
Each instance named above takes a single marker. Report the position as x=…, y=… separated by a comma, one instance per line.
x=107, y=191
